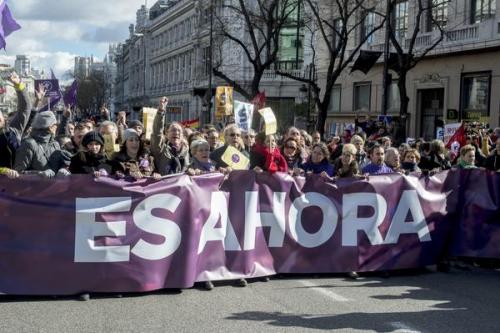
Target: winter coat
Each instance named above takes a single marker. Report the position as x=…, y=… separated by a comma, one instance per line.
x=216, y=156
x=268, y=160
x=352, y=171
x=493, y=161
x=168, y=160
x=11, y=135
x=88, y=163
x=123, y=163
x=35, y=152
x=319, y=167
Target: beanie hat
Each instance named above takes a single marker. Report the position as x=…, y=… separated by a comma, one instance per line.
x=44, y=120
x=129, y=133
x=134, y=123
x=92, y=136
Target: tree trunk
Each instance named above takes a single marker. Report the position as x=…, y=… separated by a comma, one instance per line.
x=322, y=114
x=403, y=110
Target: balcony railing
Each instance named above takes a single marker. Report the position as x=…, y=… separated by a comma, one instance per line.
x=462, y=34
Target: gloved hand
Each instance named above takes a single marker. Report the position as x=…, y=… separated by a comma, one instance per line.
x=63, y=173
x=49, y=173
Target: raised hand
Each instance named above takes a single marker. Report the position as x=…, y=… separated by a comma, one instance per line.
x=14, y=78
x=40, y=92
x=163, y=104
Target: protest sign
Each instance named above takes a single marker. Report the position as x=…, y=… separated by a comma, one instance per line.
x=449, y=130
x=148, y=117
x=223, y=102
x=235, y=159
x=270, y=120
x=243, y=113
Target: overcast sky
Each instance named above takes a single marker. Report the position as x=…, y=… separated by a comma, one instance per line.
x=55, y=31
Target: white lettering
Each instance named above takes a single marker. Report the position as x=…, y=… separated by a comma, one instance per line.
x=225, y=234
x=351, y=223
x=408, y=202
x=87, y=228
x=329, y=223
x=145, y=220
x=254, y=219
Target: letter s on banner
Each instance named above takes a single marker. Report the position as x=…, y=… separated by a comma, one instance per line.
x=145, y=220
x=87, y=228
x=328, y=226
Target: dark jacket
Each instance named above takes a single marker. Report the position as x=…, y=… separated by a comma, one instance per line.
x=352, y=170
x=35, y=152
x=87, y=163
x=11, y=135
x=319, y=168
x=434, y=161
x=493, y=162
x=123, y=163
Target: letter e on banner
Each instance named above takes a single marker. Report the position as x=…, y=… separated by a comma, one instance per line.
x=87, y=228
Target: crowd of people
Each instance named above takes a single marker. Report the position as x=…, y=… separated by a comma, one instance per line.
x=34, y=142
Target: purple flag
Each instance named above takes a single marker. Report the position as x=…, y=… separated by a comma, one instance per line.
x=7, y=25
x=70, y=96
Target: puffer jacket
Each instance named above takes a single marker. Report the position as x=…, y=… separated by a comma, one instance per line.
x=87, y=163
x=35, y=152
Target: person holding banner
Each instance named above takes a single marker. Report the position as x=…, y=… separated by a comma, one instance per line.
x=467, y=158
x=346, y=166
x=265, y=155
x=35, y=152
x=200, y=161
x=377, y=165
x=293, y=155
x=133, y=159
x=92, y=159
x=171, y=153
x=411, y=159
x=318, y=162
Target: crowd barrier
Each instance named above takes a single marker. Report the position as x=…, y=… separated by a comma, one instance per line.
x=81, y=234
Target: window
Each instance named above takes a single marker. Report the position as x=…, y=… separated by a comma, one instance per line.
x=362, y=96
x=475, y=96
x=482, y=10
x=334, y=106
x=400, y=19
x=337, y=33
x=437, y=15
x=367, y=26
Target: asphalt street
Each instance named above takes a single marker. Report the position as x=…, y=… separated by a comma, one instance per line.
x=459, y=301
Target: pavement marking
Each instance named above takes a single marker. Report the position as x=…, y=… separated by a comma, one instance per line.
x=330, y=294
x=403, y=328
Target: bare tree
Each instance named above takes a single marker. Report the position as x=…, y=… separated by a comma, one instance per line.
x=253, y=27
x=338, y=37
x=408, y=52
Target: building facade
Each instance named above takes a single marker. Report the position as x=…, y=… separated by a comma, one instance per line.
x=169, y=54
x=22, y=65
x=458, y=80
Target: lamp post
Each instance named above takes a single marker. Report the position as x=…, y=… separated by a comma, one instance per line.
x=385, y=97
x=210, y=60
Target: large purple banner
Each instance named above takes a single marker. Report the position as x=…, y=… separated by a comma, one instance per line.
x=84, y=235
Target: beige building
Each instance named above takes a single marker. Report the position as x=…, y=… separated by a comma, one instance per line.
x=458, y=80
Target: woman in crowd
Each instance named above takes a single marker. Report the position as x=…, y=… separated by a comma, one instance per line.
x=467, y=157
x=265, y=155
x=200, y=161
x=411, y=158
x=293, y=154
x=92, y=159
x=361, y=156
x=437, y=159
x=133, y=160
x=346, y=165
x=318, y=162
x=171, y=153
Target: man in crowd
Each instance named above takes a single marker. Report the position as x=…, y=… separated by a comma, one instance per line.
x=232, y=137
x=377, y=162
x=249, y=139
x=213, y=139
x=392, y=158
x=493, y=161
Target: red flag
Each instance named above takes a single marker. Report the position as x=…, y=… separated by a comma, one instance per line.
x=259, y=100
x=459, y=136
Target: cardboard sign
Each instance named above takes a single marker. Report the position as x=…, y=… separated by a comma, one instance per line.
x=243, y=113
x=270, y=120
x=148, y=117
x=449, y=130
x=51, y=87
x=235, y=159
x=223, y=102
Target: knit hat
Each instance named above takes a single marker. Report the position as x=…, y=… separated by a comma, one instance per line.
x=130, y=132
x=44, y=120
x=92, y=136
x=134, y=123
